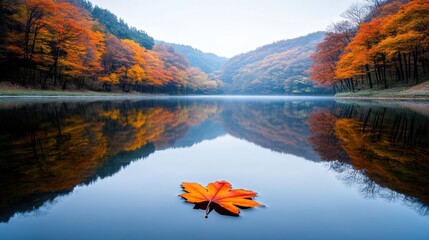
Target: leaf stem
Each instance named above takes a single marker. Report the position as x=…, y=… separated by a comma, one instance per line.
x=208, y=210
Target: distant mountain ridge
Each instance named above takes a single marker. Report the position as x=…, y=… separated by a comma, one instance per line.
x=207, y=62
x=277, y=68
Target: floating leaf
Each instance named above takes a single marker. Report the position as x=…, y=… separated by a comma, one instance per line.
x=219, y=196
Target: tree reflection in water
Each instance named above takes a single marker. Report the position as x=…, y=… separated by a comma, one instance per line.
x=386, y=151
x=47, y=149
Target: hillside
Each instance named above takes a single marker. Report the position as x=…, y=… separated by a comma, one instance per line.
x=207, y=62
x=72, y=45
x=278, y=68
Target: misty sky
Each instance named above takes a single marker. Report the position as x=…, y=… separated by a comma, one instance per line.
x=227, y=27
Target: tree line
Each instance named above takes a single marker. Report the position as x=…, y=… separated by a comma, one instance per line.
x=71, y=44
x=379, y=44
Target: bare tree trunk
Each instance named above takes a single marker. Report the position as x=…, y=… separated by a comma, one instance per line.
x=352, y=84
x=415, y=60
x=384, y=72
x=401, y=67
x=368, y=73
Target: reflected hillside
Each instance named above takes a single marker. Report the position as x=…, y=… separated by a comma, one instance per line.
x=280, y=126
x=49, y=148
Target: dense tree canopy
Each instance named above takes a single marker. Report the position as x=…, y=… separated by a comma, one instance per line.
x=56, y=44
x=390, y=46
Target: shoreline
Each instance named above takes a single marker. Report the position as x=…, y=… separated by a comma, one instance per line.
x=397, y=94
x=419, y=92
x=396, y=98
x=119, y=96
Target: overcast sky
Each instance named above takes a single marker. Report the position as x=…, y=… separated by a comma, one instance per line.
x=227, y=27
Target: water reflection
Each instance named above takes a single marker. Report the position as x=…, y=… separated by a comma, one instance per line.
x=47, y=149
x=382, y=148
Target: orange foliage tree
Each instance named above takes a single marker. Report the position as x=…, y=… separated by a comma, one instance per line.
x=325, y=59
x=56, y=42
x=391, y=45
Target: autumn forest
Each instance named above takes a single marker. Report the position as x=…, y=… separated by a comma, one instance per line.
x=217, y=119
x=51, y=43
x=383, y=44
x=71, y=44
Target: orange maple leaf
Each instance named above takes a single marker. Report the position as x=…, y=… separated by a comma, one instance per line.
x=220, y=193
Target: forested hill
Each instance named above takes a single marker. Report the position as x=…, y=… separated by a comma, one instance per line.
x=278, y=68
x=69, y=44
x=207, y=62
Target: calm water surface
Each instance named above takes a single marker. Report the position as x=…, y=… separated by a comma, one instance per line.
x=325, y=169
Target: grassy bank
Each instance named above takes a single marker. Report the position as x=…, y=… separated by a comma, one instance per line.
x=11, y=90
x=50, y=93
x=419, y=91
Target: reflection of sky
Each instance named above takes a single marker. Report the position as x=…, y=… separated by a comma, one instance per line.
x=304, y=200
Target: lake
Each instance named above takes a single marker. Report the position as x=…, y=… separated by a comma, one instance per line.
x=112, y=169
